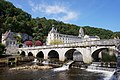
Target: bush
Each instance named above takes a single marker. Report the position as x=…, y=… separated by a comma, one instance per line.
x=109, y=58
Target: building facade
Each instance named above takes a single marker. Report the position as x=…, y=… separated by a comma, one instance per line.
x=8, y=39
x=53, y=35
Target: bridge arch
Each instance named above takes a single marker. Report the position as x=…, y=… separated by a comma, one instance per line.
x=40, y=54
x=73, y=54
x=30, y=54
x=69, y=54
x=18, y=52
x=53, y=55
x=22, y=53
x=98, y=54
x=87, y=48
x=77, y=56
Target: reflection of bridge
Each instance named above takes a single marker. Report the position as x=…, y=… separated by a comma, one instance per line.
x=85, y=51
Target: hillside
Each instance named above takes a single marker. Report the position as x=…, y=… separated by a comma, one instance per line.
x=17, y=20
x=14, y=19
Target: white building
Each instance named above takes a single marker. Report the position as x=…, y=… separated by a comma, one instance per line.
x=90, y=38
x=8, y=39
x=54, y=35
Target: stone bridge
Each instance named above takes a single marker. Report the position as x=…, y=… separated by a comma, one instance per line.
x=85, y=51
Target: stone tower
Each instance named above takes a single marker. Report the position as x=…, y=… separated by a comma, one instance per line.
x=53, y=30
x=81, y=33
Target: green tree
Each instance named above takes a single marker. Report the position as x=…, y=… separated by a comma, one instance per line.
x=18, y=38
x=2, y=49
x=17, y=20
x=116, y=35
x=56, y=42
x=14, y=19
x=102, y=33
x=106, y=57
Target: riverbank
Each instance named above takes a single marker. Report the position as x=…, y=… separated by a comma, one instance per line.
x=14, y=60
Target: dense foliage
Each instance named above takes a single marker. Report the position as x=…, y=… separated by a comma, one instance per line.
x=2, y=48
x=14, y=19
x=106, y=57
x=17, y=20
x=109, y=58
x=102, y=33
x=43, y=26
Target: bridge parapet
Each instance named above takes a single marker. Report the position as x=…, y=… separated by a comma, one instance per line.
x=103, y=42
x=79, y=44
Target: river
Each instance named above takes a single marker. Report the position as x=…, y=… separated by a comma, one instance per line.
x=50, y=74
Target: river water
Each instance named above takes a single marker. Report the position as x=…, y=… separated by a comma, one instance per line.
x=72, y=74
x=50, y=74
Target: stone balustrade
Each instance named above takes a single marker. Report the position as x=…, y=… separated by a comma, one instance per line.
x=78, y=44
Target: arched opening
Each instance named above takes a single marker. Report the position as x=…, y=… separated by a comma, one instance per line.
x=18, y=52
x=22, y=53
x=20, y=46
x=40, y=55
x=53, y=55
x=69, y=54
x=30, y=54
x=77, y=56
x=74, y=55
x=104, y=55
